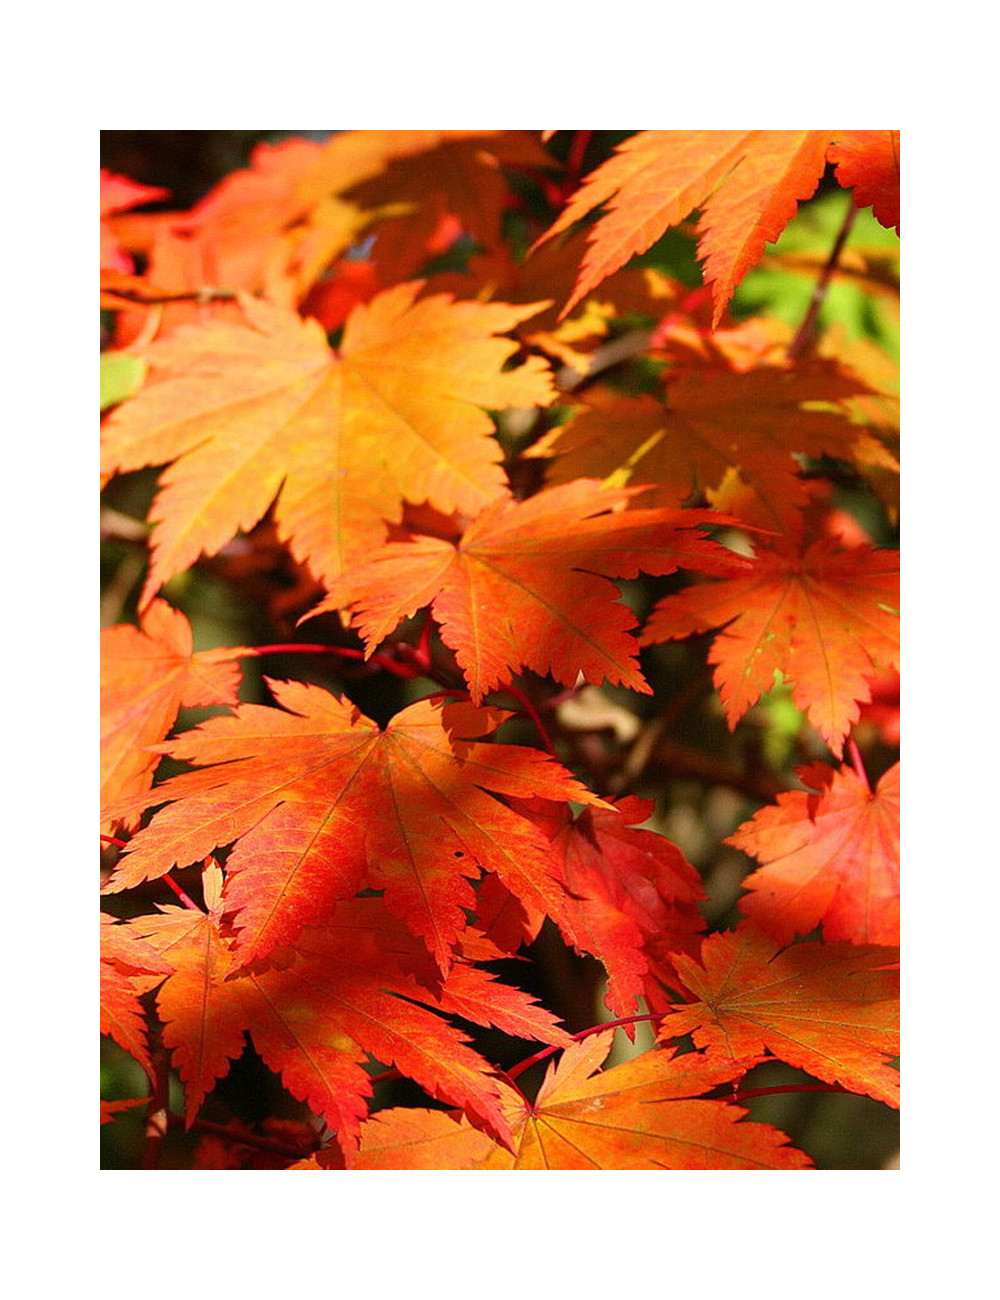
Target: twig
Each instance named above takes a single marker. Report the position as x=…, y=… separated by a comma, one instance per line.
x=157, y=1116
x=688, y=763
x=607, y=355
x=789, y=1087
x=200, y=296
x=804, y=337
x=251, y=1139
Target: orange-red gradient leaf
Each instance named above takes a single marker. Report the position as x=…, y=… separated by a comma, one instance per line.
x=321, y=803
x=868, y=162
x=747, y=183
x=129, y=968
x=830, y=1009
x=712, y=416
x=632, y=895
x=525, y=585
x=827, y=619
x=831, y=855
x=640, y=1115
x=417, y=1138
x=315, y=1022
x=147, y=674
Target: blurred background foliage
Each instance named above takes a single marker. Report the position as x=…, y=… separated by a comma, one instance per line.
x=704, y=779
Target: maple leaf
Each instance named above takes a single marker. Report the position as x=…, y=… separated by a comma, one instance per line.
x=129, y=968
x=197, y=266
x=831, y=855
x=262, y=412
x=270, y=228
x=824, y=617
x=110, y=1110
x=363, y=927
x=322, y=802
x=315, y=1022
x=713, y=415
x=640, y=1115
x=747, y=183
x=118, y=193
x=455, y=183
x=522, y=588
x=831, y=1009
x=274, y=227
x=632, y=895
x=289, y=180
x=416, y=1138
x=147, y=674
x=868, y=162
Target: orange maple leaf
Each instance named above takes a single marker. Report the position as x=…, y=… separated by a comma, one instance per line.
x=831, y=856
x=831, y=1009
x=129, y=968
x=522, y=588
x=262, y=412
x=824, y=617
x=323, y=802
x=454, y=186
x=315, y=1021
x=640, y=1115
x=147, y=674
x=748, y=185
x=713, y=415
x=416, y=1138
x=289, y=181
x=274, y=227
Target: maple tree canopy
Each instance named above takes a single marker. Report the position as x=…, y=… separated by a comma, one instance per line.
x=500, y=651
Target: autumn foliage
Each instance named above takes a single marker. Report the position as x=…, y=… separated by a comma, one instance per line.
x=469, y=508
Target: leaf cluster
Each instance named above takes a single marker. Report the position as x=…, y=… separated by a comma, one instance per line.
x=457, y=553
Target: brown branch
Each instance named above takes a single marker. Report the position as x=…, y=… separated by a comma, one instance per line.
x=252, y=1140
x=157, y=1114
x=803, y=338
x=686, y=762
x=200, y=296
x=609, y=354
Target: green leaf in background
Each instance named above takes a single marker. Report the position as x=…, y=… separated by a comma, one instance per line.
x=863, y=294
x=121, y=376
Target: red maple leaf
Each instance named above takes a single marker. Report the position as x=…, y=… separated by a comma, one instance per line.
x=321, y=802
x=632, y=896
x=748, y=184
x=831, y=856
x=316, y=1021
x=868, y=162
x=118, y=194
x=523, y=586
